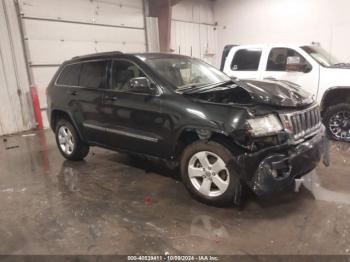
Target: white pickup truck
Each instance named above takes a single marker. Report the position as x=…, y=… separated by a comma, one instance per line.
x=309, y=66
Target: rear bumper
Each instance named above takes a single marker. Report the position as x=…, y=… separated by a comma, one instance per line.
x=275, y=168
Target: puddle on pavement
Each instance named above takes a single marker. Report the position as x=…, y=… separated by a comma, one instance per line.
x=312, y=182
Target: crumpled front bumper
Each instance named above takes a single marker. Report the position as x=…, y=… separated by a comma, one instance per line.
x=275, y=168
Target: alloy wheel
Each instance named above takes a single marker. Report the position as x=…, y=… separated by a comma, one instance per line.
x=208, y=174
x=66, y=140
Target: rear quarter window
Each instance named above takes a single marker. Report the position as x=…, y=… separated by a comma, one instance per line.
x=69, y=75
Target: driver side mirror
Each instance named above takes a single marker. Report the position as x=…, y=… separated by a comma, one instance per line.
x=294, y=64
x=141, y=85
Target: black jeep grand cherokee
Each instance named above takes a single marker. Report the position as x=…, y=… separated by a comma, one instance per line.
x=223, y=133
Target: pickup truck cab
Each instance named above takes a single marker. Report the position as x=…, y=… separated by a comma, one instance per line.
x=309, y=66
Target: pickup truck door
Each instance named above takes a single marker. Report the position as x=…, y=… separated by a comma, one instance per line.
x=244, y=62
x=276, y=67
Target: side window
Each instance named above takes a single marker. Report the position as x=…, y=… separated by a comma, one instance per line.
x=122, y=72
x=93, y=74
x=278, y=58
x=246, y=60
x=69, y=75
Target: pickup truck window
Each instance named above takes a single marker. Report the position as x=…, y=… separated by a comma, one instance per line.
x=69, y=75
x=277, y=60
x=122, y=72
x=246, y=60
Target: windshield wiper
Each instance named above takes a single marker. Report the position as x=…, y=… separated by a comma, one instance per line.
x=190, y=86
x=205, y=87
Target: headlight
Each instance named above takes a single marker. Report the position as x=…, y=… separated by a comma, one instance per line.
x=263, y=126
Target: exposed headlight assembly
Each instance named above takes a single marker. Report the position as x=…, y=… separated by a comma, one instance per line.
x=264, y=126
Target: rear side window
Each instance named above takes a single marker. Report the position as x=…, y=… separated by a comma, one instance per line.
x=246, y=60
x=93, y=74
x=69, y=75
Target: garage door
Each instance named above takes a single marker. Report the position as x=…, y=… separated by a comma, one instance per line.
x=193, y=32
x=15, y=106
x=57, y=30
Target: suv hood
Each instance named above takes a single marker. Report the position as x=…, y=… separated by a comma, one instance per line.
x=274, y=93
x=278, y=93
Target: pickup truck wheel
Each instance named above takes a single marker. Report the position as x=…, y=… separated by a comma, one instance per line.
x=337, y=122
x=68, y=142
x=206, y=173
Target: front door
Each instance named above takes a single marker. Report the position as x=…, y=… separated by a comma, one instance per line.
x=277, y=68
x=133, y=120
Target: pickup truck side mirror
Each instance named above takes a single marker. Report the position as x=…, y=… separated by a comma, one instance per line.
x=294, y=64
x=141, y=85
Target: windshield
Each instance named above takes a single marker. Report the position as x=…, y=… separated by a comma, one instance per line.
x=321, y=55
x=185, y=72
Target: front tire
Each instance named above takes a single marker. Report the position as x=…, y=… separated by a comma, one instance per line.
x=337, y=122
x=207, y=175
x=68, y=141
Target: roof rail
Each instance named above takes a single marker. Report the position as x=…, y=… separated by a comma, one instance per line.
x=97, y=54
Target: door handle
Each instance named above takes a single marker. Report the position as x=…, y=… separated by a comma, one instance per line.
x=110, y=98
x=73, y=92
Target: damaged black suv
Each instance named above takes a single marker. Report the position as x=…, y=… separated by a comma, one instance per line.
x=222, y=133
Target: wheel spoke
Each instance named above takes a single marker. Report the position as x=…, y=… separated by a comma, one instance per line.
x=61, y=133
x=195, y=171
x=205, y=187
x=64, y=131
x=69, y=134
x=70, y=143
x=221, y=184
x=203, y=159
x=219, y=165
x=65, y=148
x=61, y=140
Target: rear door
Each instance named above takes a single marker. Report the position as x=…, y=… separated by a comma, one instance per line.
x=85, y=100
x=244, y=62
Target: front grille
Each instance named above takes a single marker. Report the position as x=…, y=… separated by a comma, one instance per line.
x=302, y=123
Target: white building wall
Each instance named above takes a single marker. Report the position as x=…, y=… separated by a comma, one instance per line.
x=193, y=32
x=275, y=21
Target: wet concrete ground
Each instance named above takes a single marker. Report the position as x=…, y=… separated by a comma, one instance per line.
x=116, y=204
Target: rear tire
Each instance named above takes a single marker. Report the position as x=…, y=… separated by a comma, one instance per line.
x=337, y=121
x=68, y=141
x=207, y=174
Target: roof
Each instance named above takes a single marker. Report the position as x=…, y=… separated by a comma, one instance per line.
x=157, y=55
x=117, y=53
x=97, y=55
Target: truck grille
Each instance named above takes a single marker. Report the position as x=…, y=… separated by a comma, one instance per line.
x=302, y=123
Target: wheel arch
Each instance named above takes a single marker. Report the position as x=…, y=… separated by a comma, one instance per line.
x=189, y=135
x=57, y=114
x=335, y=95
